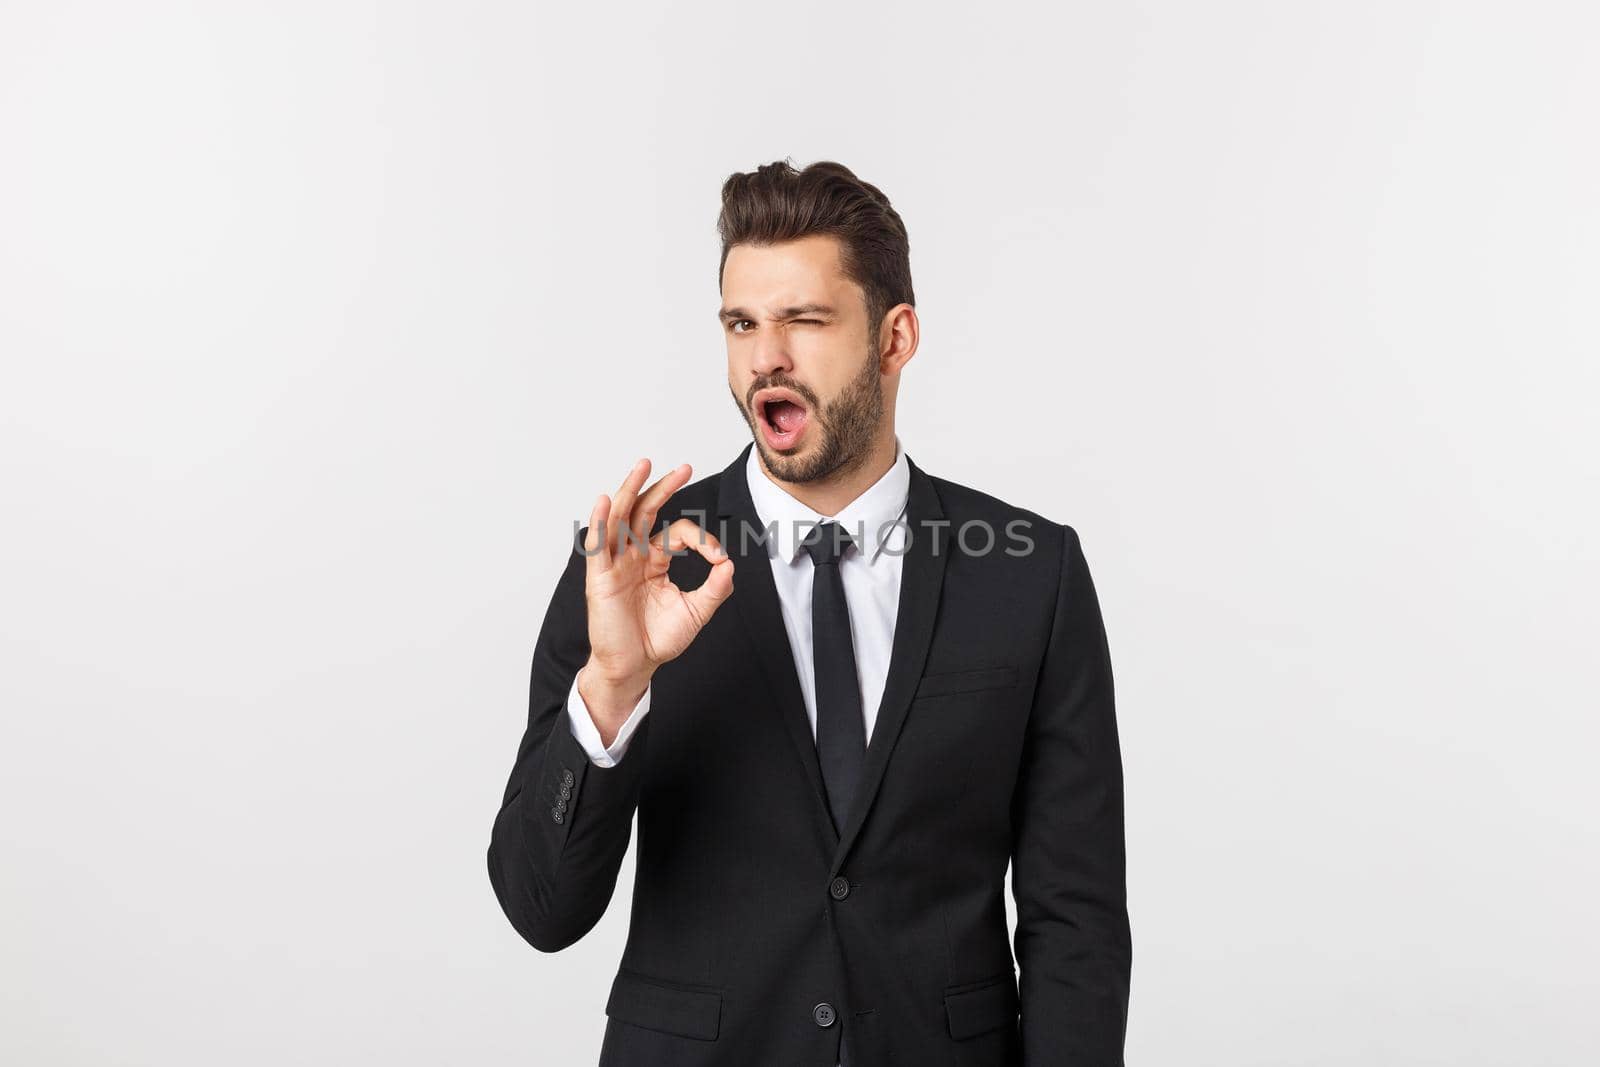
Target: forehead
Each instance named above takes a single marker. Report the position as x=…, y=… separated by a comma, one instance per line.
x=806, y=270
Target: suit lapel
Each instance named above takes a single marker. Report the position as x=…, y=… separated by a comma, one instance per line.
x=756, y=598
x=921, y=580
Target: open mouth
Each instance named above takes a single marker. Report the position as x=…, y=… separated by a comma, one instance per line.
x=783, y=416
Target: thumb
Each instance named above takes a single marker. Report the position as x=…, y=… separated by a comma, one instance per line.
x=712, y=592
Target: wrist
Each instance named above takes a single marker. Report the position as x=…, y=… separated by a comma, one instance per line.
x=610, y=698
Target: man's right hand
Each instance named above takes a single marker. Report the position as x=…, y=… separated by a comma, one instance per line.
x=638, y=619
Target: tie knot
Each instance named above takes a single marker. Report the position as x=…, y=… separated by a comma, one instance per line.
x=826, y=542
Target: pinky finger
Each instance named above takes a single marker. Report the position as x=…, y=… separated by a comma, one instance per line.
x=596, y=545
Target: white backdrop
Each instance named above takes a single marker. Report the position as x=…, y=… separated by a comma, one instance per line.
x=322, y=322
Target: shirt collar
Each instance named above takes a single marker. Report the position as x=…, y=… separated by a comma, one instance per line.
x=869, y=519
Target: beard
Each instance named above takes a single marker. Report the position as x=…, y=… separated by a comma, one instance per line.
x=842, y=430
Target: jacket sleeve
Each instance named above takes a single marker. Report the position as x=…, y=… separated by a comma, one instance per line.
x=1073, y=941
x=564, y=822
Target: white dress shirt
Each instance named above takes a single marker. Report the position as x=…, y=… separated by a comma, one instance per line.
x=870, y=570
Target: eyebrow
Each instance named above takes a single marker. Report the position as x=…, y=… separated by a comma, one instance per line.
x=728, y=314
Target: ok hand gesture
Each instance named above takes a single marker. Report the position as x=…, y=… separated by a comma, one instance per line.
x=638, y=619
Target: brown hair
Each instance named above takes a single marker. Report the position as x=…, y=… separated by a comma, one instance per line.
x=776, y=203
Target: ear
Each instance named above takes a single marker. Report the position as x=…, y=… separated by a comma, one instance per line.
x=897, y=338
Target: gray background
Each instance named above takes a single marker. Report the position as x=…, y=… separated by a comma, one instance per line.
x=323, y=322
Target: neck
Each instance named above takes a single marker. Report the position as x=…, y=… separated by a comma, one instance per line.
x=830, y=495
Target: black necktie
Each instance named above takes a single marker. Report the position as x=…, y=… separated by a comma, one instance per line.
x=841, y=731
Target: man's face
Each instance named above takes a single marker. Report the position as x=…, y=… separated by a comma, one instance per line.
x=802, y=358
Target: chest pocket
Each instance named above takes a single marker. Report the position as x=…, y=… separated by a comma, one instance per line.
x=966, y=681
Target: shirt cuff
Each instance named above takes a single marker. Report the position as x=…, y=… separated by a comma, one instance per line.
x=588, y=735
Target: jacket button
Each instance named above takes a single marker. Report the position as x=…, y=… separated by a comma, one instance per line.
x=839, y=888
x=823, y=1014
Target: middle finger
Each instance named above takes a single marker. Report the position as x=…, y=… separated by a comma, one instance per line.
x=622, y=506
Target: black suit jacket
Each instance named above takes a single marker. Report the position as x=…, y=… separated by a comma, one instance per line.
x=996, y=742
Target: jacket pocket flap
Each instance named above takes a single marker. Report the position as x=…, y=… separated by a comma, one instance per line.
x=673, y=1010
x=973, y=1011
x=964, y=681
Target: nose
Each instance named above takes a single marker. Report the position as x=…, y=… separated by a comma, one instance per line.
x=770, y=353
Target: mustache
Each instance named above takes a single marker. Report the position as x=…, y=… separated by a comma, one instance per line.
x=780, y=382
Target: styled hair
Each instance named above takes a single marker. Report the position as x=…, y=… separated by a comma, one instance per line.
x=775, y=203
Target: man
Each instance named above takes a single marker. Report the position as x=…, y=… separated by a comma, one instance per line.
x=841, y=695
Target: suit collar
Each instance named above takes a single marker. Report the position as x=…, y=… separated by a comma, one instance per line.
x=870, y=519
